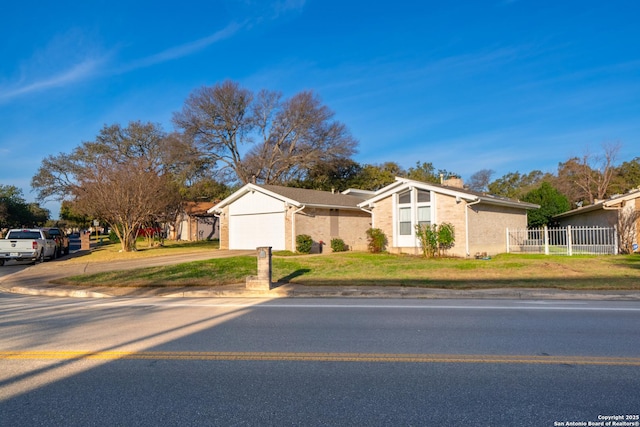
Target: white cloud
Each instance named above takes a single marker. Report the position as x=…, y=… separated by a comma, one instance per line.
x=184, y=49
x=76, y=73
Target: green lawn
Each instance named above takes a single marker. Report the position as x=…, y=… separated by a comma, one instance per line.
x=361, y=269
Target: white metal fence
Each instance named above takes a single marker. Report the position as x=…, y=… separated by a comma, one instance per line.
x=564, y=241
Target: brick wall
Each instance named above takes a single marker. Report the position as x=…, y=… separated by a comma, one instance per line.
x=487, y=227
x=383, y=219
x=597, y=218
x=351, y=227
x=224, y=228
x=451, y=211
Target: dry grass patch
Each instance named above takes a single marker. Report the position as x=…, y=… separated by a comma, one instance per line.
x=112, y=251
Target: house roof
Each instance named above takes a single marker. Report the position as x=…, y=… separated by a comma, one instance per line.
x=197, y=208
x=295, y=196
x=402, y=184
x=612, y=203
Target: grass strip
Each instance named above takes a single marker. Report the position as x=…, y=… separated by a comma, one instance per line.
x=363, y=269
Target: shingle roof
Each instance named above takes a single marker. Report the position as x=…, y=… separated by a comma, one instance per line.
x=197, y=208
x=315, y=197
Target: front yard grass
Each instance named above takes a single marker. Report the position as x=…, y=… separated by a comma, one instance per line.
x=620, y=272
x=107, y=251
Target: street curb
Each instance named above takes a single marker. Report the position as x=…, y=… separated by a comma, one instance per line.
x=80, y=293
x=301, y=291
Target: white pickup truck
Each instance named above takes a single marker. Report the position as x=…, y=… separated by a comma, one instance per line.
x=30, y=244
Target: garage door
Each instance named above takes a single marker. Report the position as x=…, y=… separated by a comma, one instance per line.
x=252, y=231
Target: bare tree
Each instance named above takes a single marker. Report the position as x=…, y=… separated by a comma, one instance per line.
x=123, y=178
x=125, y=195
x=627, y=227
x=480, y=180
x=588, y=176
x=263, y=137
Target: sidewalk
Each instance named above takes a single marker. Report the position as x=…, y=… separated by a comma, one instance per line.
x=35, y=280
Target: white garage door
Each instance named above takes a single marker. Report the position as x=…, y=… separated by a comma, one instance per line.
x=252, y=231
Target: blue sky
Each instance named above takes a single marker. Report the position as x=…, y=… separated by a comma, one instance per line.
x=508, y=85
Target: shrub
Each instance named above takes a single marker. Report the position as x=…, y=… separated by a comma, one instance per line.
x=377, y=240
x=304, y=242
x=428, y=237
x=113, y=237
x=338, y=245
x=446, y=237
x=435, y=239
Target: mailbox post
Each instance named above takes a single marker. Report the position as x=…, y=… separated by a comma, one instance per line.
x=263, y=280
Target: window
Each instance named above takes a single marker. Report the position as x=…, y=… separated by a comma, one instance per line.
x=424, y=196
x=404, y=198
x=405, y=221
x=413, y=209
x=424, y=215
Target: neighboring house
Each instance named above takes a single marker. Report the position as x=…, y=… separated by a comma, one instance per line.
x=480, y=220
x=194, y=223
x=622, y=212
x=272, y=215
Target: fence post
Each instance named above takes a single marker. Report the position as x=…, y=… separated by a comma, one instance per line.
x=546, y=240
x=569, y=241
x=615, y=241
x=507, y=239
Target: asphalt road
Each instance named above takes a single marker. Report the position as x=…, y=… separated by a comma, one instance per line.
x=160, y=361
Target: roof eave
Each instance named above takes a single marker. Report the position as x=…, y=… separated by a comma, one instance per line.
x=408, y=183
x=247, y=189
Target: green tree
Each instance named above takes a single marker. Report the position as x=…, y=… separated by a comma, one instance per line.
x=374, y=177
x=16, y=212
x=514, y=185
x=426, y=172
x=338, y=174
x=551, y=202
x=627, y=177
x=70, y=215
x=38, y=215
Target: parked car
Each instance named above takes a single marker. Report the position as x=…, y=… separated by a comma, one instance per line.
x=61, y=238
x=31, y=244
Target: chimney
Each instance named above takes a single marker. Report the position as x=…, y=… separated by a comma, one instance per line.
x=454, y=182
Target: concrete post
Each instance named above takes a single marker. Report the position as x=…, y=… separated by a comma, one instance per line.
x=263, y=280
x=85, y=241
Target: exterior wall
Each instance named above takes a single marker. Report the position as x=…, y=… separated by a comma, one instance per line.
x=487, y=227
x=453, y=212
x=621, y=219
x=446, y=210
x=637, y=228
x=224, y=228
x=597, y=218
x=289, y=241
x=194, y=228
x=351, y=226
x=383, y=219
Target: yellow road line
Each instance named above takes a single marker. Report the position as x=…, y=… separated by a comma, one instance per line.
x=317, y=357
